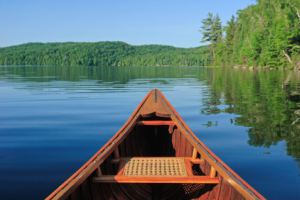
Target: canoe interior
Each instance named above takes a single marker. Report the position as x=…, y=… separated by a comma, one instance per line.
x=154, y=141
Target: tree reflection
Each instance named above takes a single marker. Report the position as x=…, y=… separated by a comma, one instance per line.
x=262, y=104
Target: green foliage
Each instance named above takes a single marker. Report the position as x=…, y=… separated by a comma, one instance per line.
x=211, y=28
x=212, y=32
x=229, y=40
x=264, y=34
x=102, y=54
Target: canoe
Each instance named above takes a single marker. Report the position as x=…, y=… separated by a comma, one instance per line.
x=155, y=155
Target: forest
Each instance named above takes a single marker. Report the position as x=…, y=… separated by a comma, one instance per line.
x=103, y=54
x=266, y=34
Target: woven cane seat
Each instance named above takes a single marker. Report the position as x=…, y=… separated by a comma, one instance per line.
x=164, y=166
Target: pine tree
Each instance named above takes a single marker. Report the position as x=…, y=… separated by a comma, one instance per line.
x=212, y=31
x=229, y=39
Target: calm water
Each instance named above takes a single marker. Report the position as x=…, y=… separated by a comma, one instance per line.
x=52, y=119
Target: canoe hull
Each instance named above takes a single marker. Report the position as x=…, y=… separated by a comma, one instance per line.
x=155, y=129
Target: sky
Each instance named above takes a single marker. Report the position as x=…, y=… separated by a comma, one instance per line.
x=168, y=22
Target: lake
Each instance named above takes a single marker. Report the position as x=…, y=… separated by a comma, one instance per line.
x=53, y=119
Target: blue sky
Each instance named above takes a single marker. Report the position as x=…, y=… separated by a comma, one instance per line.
x=171, y=22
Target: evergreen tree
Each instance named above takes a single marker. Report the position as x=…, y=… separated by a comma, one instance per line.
x=229, y=39
x=212, y=31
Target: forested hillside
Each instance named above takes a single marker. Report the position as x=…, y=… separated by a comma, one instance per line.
x=264, y=34
x=102, y=54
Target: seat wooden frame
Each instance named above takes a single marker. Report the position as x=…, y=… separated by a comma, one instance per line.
x=190, y=178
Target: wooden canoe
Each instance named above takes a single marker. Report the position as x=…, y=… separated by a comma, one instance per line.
x=155, y=155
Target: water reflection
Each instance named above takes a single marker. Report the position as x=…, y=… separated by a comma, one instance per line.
x=262, y=103
x=110, y=75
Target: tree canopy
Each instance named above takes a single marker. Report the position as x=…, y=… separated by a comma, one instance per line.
x=264, y=34
x=103, y=54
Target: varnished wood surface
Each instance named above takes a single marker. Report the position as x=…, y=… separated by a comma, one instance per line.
x=156, y=123
x=156, y=179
